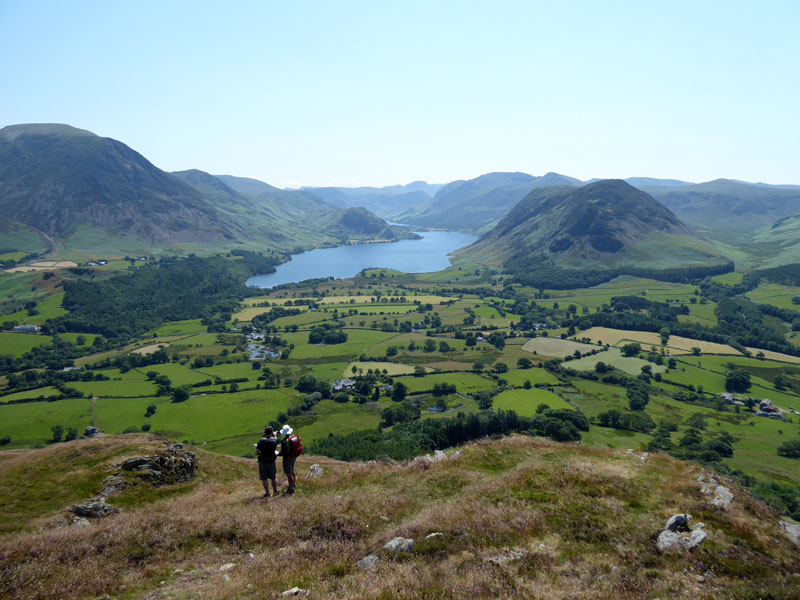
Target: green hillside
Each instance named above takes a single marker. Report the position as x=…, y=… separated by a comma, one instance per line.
x=607, y=224
x=476, y=205
x=88, y=196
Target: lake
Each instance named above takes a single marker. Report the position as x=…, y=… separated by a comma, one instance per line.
x=410, y=256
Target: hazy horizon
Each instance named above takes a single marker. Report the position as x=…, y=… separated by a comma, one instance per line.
x=357, y=93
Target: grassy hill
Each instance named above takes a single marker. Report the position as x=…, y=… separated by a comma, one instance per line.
x=57, y=179
x=476, y=205
x=518, y=517
x=604, y=224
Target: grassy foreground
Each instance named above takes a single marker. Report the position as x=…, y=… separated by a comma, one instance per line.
x=520, y=517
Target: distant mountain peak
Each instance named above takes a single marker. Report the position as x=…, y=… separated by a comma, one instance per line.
x=11, y=132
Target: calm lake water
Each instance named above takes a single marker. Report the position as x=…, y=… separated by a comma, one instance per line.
x=410, y=256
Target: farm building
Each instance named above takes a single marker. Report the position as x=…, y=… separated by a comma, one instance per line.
x=25, y=329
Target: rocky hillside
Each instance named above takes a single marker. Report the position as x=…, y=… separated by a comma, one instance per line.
x=606, y=223
x=518, y=517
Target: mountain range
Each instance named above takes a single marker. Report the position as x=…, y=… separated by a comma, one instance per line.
x=88, y=194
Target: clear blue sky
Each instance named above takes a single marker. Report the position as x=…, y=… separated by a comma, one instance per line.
x=377, y=93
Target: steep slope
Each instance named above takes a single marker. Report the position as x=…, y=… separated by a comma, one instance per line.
x=476, y=205
x=64, y=181
x=716, y=207
x=519, y=517
x=604, y=224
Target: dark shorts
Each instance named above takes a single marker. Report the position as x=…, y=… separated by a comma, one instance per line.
x=288, y=464
x=266, y=470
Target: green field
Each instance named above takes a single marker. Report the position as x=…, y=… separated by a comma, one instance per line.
x=42, y=392
x=180, y=328
x=518, y=377
x=30, y=424
x=614, y=358
x=121, y=389
x=178, y=374
x=776, y=295
x=231, y=422
x=524, y=402
x=49, y=308
x=464, y=382
x=17, y=344
x=203, y=418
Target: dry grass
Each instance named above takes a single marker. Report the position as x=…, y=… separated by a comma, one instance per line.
x=43, y=266
x=390, y=368
x=779, y=356
x=145, y=350
x=676, y=345
x=555, y=347
x=582, y=519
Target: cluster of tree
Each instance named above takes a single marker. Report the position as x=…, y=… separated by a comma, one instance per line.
x=264, y=319
x=28, y=380
x=538, y=271
x=412, y=438
x=443, y=389
x=692, y=447
x=631, y=421
x=10, y=263
x=327, y=333
x=258, y=263
x=59, y=435
x=55, y=356
x=132, y=303
x=402, y=412
x=790, y=449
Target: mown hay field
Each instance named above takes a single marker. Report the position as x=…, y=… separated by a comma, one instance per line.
x=675, y=345
x=555, y=347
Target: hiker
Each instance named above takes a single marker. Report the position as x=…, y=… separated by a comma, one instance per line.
x=291, y=448
x=266, y=451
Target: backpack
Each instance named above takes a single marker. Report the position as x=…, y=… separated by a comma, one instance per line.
x=295, y=446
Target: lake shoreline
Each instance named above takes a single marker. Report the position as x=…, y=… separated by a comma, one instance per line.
x=429, y=253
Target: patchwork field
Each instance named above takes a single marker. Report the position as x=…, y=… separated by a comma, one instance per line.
x=555, y=347
x=614, y=358
x=230, y=422
x=675, y=345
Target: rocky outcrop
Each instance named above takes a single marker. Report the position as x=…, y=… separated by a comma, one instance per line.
x=173, y=465
x=165, y=467
x=368, y=562
x=792, y=531
x=679, y=536
x=399, y=544
x=438, y=456
x=93, y=507
x=721, y=497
